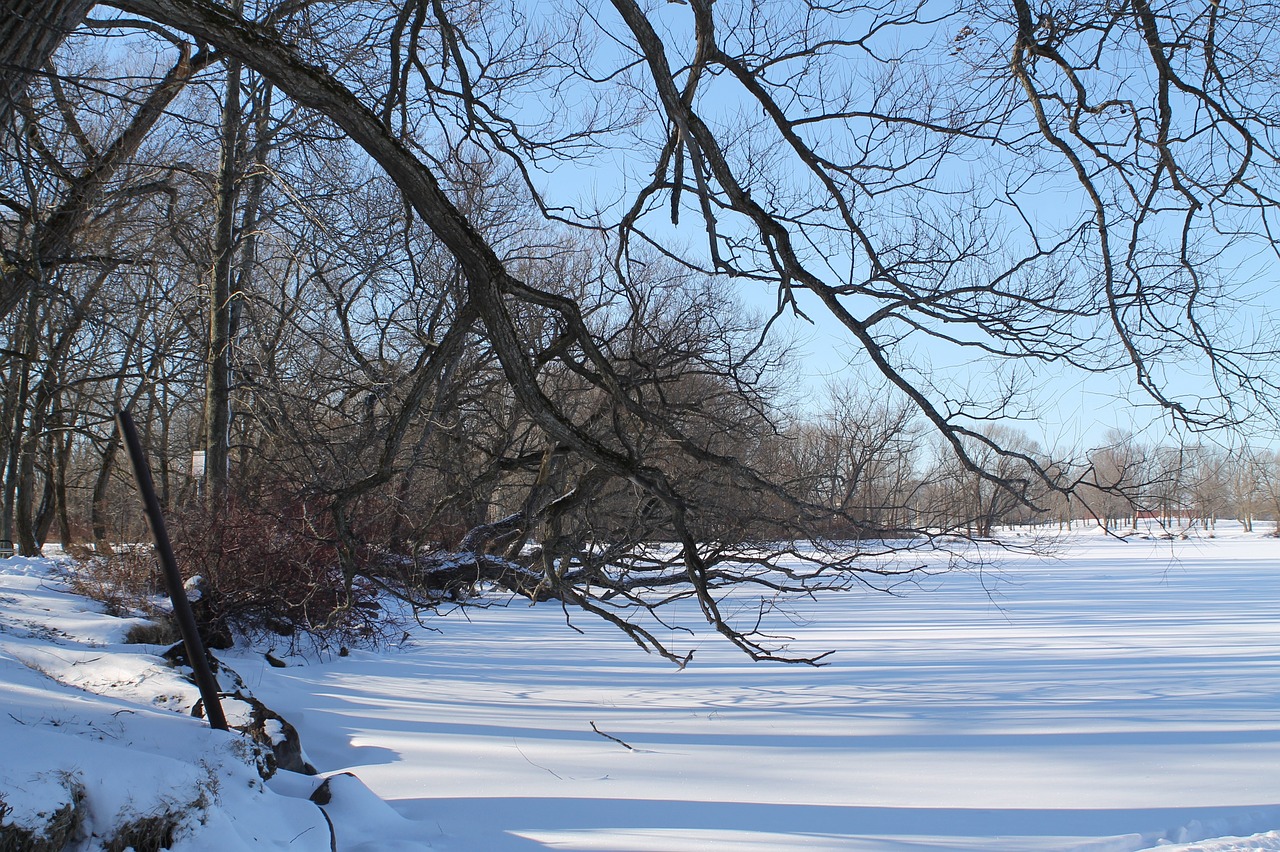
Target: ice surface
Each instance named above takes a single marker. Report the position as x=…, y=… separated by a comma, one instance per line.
x=1123, y=696
x=1117, y=697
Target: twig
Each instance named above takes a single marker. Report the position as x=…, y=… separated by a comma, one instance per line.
x=305, y=830
x=531, y=763
x=611, y=737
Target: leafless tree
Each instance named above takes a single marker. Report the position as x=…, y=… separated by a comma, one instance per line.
x=985, y=188
x=861, y=455
x=30, y=32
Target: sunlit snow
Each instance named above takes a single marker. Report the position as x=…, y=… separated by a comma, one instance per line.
x=1119, y=696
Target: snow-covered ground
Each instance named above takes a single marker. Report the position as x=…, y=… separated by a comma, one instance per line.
x=1121, y=697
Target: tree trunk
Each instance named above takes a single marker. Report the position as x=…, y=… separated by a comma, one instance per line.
x=98, y=504
x=24, y=519
x=61, y=463
x=217, y=412
x=54, y=473
x=17, y=399
x=30, y=31
x=44, y=515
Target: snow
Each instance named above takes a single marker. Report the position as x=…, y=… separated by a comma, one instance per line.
x=1121, y=696
x=85, y=713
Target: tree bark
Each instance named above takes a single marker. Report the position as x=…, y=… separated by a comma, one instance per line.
x=98, y=502
x=44, y=515
x=217, y=412
x=61, y=461
x=30, y=31
x=24, y=518
x=17, y=399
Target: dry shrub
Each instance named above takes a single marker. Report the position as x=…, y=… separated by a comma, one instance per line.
x=125, y=582
x=265, y=568
x=61, y=826
x=163, y=630
x=272, y=569
x=146, y=834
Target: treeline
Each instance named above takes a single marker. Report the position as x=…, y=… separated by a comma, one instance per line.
x=1176, y=485
x=271, y=312
x=445, y=294
x=331, y=422
x=879, y=463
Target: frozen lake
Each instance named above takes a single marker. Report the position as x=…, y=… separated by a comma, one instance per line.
x=1118, y=696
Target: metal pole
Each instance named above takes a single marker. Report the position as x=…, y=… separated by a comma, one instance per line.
x=196, y=655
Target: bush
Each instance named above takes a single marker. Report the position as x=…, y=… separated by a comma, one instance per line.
x=60, y=826
x=162, y=630
x=253, y=570
x=146, y=834
x=126, y=582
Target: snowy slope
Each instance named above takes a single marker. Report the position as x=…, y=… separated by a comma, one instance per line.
x=106, y=725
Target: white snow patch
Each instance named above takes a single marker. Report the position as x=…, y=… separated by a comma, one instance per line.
x=83, y=713
x=1122, y=697
x=275, y=731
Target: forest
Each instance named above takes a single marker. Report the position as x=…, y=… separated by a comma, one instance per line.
x=427, y=297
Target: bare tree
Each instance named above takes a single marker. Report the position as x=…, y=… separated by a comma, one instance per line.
x=861, y=455
x=882, y=164
x=30, y=32
x=1247, y=486
x=1121, y=482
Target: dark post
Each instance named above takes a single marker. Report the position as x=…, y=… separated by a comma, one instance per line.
x=173, y=580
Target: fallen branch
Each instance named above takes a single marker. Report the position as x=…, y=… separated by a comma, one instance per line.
x=611, y=737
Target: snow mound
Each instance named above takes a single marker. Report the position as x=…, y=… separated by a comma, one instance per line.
x=1264, y=842
x=100, y=749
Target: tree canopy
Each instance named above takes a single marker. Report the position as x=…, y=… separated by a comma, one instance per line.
x=406, y=194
